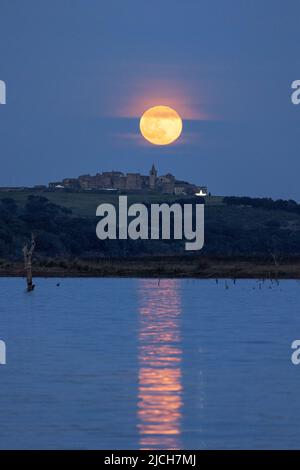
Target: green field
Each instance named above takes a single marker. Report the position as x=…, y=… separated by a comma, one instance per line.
x=85, y=203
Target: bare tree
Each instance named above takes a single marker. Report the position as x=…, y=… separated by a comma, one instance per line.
x=28, y=252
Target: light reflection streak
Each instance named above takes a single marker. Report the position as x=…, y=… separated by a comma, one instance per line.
x=160, y=355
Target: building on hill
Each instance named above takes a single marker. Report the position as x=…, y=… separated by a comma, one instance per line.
x=71, y=183
x=130, y=182
x=166, y=183
x=152, y=177
x=133, y=182
x=55, y=185
x=185, y=188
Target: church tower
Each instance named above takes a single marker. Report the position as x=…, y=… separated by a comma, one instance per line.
x=152, y=177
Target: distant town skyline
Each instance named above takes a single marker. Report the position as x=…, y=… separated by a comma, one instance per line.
x=132, y=182
x=79, y=76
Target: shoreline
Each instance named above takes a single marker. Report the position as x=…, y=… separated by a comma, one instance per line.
x=161, y=267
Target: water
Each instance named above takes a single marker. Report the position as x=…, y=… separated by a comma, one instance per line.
x=142, y=364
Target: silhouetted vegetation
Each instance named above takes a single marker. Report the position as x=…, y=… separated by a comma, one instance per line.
x=264, y=203
x=241, y=227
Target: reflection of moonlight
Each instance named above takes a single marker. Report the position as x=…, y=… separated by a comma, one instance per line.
x=161, y=125
x=160, y=356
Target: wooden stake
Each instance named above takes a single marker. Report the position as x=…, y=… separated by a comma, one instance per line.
x=28, y=263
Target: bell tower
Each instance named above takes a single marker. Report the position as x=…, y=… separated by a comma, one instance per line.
x=152, y=177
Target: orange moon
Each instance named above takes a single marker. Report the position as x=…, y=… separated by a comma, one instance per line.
x=161, y=125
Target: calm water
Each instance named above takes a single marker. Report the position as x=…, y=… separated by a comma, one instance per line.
x=128, y=363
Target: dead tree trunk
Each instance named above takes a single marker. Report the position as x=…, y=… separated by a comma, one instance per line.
x=28, y=263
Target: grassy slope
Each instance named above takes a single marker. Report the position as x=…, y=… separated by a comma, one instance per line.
x=85, y=204
x=217, y=214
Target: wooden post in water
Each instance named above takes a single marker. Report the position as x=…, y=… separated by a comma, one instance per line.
x=28, y=263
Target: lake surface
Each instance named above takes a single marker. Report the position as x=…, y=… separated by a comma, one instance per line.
x=143, y=364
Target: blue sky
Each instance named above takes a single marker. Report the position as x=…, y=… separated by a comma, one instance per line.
x=80, y=73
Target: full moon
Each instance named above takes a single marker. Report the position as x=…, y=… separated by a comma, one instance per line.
x=161, y=125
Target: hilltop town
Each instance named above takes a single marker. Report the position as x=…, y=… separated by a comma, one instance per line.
x=131, y=182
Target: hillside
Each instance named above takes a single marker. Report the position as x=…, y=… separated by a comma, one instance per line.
x=65, y=223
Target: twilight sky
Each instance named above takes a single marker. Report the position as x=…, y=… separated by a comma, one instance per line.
x=80, y=73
